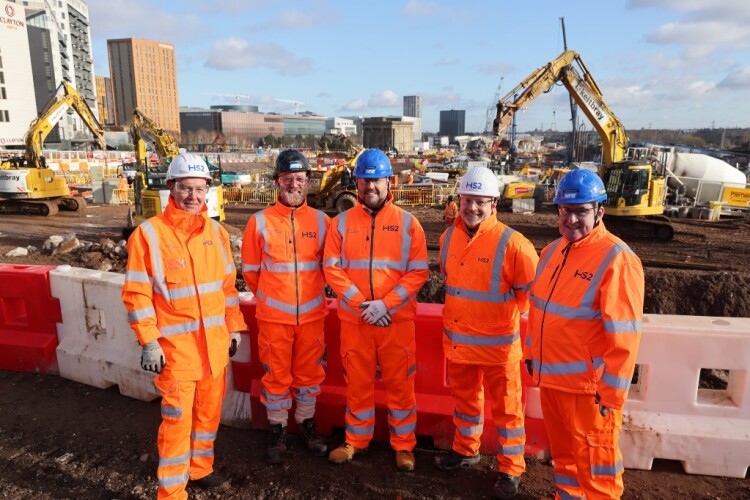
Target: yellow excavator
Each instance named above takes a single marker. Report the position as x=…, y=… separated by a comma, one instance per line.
x=635, y=192
x=150, y=185
x=27, y=186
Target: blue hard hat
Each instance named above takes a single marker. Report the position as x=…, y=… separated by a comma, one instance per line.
x=580, y=186
x=373, y=164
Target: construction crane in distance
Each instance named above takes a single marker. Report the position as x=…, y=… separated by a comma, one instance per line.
x=492, y=109
x=297, y=104
x=237, y=97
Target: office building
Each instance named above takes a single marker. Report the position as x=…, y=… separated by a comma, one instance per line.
x=144, y=76
x=387, y=133
x=59, y=41
x=413, y=109
x=105, y=101
x=341, y=126
x=17, y=105
x=452, y=122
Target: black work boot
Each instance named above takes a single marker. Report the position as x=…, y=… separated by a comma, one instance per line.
x=314, y=443
x=506, y=486
x=277, y=445
x=453, y=460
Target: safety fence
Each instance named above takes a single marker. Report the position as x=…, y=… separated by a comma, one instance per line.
x=667, y=415
x=122, y=197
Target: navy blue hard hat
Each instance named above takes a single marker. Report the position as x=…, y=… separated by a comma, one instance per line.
x=580, y=186
x=291, y=160
x=373, y=164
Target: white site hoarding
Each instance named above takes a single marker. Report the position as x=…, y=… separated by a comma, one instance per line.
x=18, y=106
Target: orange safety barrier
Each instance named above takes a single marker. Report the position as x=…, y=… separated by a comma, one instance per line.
x=28, y=317
x=434, y=403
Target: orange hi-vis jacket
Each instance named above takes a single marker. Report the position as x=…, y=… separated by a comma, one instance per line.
x=487, y=282
x=179, y=288
x=282, y=251
x=585, y=317
x=373, y=256
x=451, y=211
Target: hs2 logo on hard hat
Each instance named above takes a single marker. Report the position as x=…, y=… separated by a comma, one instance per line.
x=295, y=166
x=474, y=185
x=195, y=168
x=369, y=170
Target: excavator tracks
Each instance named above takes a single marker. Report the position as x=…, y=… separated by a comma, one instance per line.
x=652, y=227
x=44, y=208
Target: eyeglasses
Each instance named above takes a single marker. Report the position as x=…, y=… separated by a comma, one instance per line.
x=580, y=213
x=478, y=203
x=288, y=180
x=187, y=190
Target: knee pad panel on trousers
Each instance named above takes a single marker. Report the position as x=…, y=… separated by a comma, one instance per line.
x=171, y=404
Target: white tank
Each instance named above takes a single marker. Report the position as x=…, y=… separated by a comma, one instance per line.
x=703, y=176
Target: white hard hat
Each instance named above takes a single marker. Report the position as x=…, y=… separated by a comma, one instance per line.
x=479, y=181
x=187, y=165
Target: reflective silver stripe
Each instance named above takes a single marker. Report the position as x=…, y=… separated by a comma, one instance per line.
x=167, y=481
x=213, y=286
x=468, y=418
x=292, y=308
x=190, y=326
x=341, y=228
x=260, y=227
x=401, y=291
x=470, y=431
x=204, y=453
x=606, y=470
x=525, y=287
x=402, y=414
x=400, y=430
x=322, y=230
x=511, y=433
x=182, y=292
x=348, y=308
x=350, y=293
x=561, y=368
x=249, y=268
x=228, y=263
x=414, y=265
x=333, y=261
x=615, y=381
x=360, y=431
x=231, y=301
x=202, y=436
x=460, y=338
x=588, y=298
x=492, y=297
x=446, y=244
x=171, y=411
x=598, y=362
x=210, y=321
x=625, y=326
x=554, y=246
x=406, y=222
x=363, y=415
x=275, y=397
x=376, y=264
x=182, y=459
x=138, y=277
x=511, y=450
x=140, y=314
x=307, y=390
x=566, y=480
x=159, y=282
x=289, y=268
x=567, y=311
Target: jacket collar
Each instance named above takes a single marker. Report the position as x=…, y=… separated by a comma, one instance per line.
x=594, y=237
x=286, y=211
x=387, y=205
x=484, y=226
x=183, y=220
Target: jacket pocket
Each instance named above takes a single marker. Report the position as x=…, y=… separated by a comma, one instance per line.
x=602, y=456
x=181, y=290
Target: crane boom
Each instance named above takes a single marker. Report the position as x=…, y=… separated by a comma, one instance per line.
x=143, y=128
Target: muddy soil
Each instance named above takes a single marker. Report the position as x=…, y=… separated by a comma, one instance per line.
x=60, y=439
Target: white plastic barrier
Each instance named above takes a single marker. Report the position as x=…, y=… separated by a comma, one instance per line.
x=95, y=343
x=97, y=347
x=667, y=416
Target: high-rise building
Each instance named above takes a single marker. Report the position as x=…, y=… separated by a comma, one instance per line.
x=17, y=107
x=105, y=100
x=387, y=133
x=452, y=122
x=59, y=41
x=413, y=108
x=144, y=76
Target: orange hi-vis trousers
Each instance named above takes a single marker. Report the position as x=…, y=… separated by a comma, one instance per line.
x=584, y=445
x=191, y=411
x=292, y=357
x=503, y=382
x=363, y=347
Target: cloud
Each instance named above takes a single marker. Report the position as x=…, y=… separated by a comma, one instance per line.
x=445, y=98
x=417, y=8
x=385, y=99
x=323, y=95
x=234, y=53
x=737, y=79
x=228, y=6
x=137, y=19
x=354, y=106
x=297, y=19
x=494, y=69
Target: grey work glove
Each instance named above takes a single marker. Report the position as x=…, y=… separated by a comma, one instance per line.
x=384, y=321
x=152, y=357
x=234, y=343
x=603, y=410
x=374, y=310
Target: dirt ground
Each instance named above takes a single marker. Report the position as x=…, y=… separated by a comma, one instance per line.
x=60, y=439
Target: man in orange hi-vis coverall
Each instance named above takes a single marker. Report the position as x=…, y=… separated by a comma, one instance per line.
x=488, y=270
x=451, y=211
x=376, y=262
x=583, y=334
x=282, y=254
x=182, y=304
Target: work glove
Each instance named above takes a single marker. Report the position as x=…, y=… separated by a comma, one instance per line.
x=384, y=321
x=152, y=357
x=234, y=343
x=373, y=311
x=603, y=410
x=529, y=367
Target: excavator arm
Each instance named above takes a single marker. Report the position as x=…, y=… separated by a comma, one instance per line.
x=568, y=69
x=142, y=129
x=51, y=114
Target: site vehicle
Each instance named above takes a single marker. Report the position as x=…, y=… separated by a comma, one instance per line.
x=150, y=186
x=26, y=184
x=334, y=188
x=635, y=192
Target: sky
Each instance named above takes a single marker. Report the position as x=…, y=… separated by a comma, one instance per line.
x=677, y=64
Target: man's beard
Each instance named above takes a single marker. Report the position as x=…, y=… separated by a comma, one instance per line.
x=294, y=199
